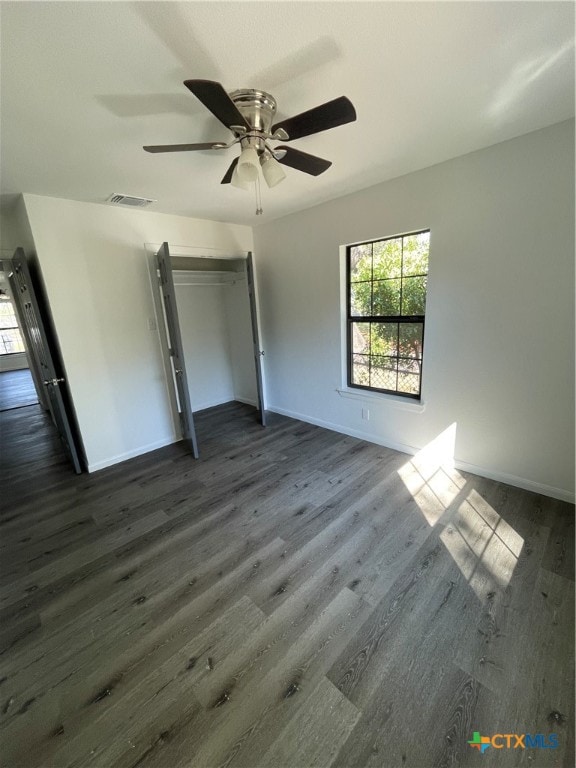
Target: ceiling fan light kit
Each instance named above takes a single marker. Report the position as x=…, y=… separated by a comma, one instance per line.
x=271, y=169
x=249, y=115
x=247, y=168
x=237, y=182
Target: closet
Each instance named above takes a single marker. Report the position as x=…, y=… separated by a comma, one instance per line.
x=209, y=333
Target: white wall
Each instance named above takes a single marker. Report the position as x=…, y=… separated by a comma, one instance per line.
x=10, y=237
x=499, y=344
x=15, y=229
x=95, y=270
x=217, y=338
x=237, y=307
x=206, y=344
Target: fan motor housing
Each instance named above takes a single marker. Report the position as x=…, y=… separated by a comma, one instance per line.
x=257, y=107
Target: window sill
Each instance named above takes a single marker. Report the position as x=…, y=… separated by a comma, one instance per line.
x=401, y=403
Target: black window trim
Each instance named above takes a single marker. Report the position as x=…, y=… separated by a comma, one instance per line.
x=399, y=319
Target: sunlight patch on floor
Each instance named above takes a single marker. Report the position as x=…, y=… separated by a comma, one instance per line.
x=483, y=545
x=431, y=478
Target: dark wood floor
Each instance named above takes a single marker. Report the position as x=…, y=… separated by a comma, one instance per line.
x=16, y=389
x=295, y=598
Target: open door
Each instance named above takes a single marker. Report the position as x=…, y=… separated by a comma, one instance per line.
x=36, y=329
x=176, y=349
x=258, y=353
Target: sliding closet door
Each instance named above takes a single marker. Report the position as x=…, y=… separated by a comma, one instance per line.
x=258, y=353
x=176, y=348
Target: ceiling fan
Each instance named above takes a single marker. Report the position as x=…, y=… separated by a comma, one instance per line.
x=249, y=114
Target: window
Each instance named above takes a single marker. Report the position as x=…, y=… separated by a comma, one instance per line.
x=386, y=297
x=10, y=337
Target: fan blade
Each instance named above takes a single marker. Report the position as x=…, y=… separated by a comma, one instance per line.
x=328, y=115
x=228, y=175
x=302, y=161
x=215, y=98
x=183, y=147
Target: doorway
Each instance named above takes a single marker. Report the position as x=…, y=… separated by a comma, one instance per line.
x=17, y=387
x=40, y=344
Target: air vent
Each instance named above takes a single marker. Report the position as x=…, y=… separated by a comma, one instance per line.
x=133, y=202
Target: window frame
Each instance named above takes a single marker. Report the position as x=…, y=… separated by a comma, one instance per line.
x=351, y=320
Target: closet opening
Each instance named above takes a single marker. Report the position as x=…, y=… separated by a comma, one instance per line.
x=206, y=308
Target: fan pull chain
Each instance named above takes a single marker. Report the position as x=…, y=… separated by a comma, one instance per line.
x=259, y=210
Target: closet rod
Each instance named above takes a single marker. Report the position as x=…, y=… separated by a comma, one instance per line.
x=238, y=255
x=191, y=281
x=232, y=282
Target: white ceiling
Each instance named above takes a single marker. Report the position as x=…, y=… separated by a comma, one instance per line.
x=86, y=84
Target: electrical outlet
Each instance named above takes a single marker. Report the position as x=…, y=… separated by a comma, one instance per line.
x=152, y=326
x=365, y=414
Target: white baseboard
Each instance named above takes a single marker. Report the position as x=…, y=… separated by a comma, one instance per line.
x=368, y=436
x=95, y=466
x=212, y=403
x=501, y=477
x=518, y=482
x=246, y=401
x=223, y=401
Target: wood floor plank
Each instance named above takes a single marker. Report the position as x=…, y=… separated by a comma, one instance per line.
x=414, y=599
x=270, y=644
x=273, y=723
x=17, y=389
x=46, y=541
x=541, y=700
x=31, y=582
x=235, y=721
x=486, y=652
x=171, y=678
x=230, y=728
x=559, y=555
x=295, y=597
x=317, y=731
x=95, y=647
x=418, y=698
